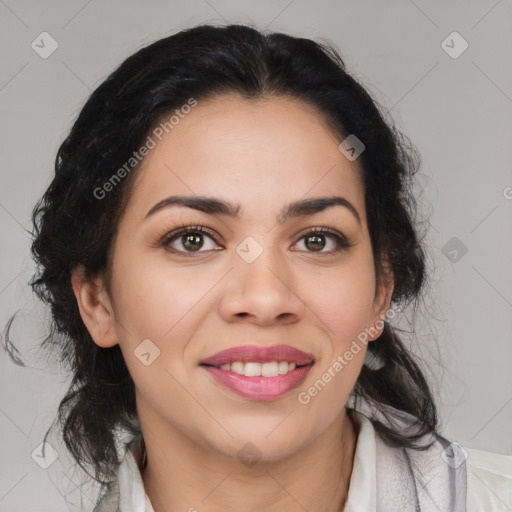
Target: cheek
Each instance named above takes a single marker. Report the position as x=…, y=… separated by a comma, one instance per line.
x=342, y=300
x=158, y=310
x=155, y=298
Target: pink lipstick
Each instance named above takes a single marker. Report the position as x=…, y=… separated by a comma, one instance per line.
x=259, y=372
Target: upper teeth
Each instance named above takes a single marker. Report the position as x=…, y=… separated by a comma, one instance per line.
x=270, y=369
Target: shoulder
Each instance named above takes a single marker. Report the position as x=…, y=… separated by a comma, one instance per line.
x=489, y=477
x=441, y=472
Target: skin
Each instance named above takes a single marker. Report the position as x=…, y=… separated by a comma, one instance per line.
x=262, y=155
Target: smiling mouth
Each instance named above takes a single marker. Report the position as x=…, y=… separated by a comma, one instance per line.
x=257, y=381
x=257, y=369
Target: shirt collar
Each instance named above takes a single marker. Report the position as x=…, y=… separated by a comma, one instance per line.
x=362, y=491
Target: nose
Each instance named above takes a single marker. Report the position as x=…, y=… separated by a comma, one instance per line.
x=262, y=292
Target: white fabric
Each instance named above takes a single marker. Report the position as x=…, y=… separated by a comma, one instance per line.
x=489, y=480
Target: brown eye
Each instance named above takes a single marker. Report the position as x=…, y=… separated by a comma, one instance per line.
x=192, y=241
x=189, y=240
x=315, y=242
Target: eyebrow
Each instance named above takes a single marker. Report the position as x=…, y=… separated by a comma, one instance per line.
x=215, y=206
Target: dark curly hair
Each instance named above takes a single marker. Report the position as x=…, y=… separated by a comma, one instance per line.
x=73, y=227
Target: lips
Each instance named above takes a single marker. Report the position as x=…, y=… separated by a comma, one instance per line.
x=259, y=388
x=259, y=354
x=250, y=370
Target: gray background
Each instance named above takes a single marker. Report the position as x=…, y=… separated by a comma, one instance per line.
x=457, y=111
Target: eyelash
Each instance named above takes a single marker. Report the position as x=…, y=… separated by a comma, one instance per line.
x=341, y=241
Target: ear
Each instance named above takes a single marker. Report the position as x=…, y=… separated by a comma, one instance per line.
x=382, y=300
x=95, y=308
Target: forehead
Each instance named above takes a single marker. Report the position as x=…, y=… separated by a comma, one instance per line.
x=269, y=151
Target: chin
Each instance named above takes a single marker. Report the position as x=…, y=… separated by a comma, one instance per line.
x=267, y=443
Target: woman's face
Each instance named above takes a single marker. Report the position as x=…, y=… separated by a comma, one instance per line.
x=253, y=277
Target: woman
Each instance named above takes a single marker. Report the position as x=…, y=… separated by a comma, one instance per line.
x=227, y=237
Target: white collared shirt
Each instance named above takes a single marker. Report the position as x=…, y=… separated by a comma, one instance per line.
x=488, y=483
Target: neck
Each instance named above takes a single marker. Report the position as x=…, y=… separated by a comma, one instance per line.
x=182, y=475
